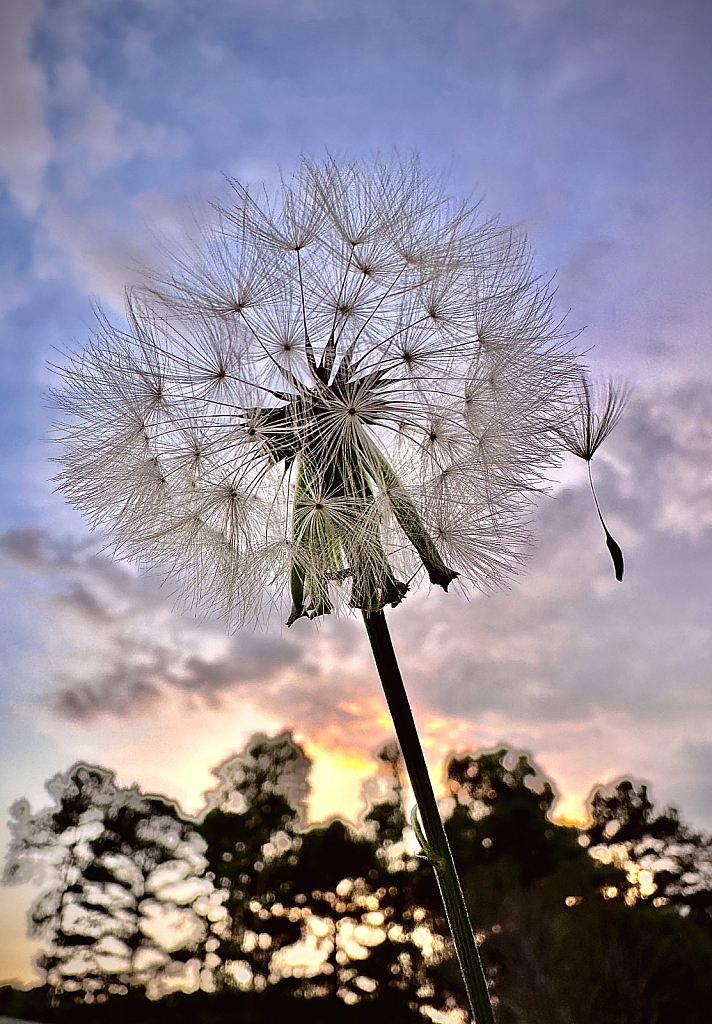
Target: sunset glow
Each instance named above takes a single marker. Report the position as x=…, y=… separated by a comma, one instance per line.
x=583, y=124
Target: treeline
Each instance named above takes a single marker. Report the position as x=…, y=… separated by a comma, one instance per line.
x=245, y=915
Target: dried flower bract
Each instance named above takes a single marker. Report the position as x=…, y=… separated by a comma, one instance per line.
x=337, y=389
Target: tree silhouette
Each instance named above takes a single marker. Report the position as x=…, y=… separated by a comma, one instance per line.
x=372, y=904
x=252, y=850
x=500, y=827
x=271, y=917
x=573, y=938
x=128, y=877
x=663, y=858
x=329, y=913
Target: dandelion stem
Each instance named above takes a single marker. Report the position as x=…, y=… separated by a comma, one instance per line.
x=438, y=848
x=593, y=492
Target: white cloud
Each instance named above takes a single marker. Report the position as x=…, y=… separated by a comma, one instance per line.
x=99, y=134
x=83, y=234
x=26, y=143
x=596, y=677
x=642, y=289
x=99, y=253
x=685, y=469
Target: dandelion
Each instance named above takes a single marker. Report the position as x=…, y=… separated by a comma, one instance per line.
x=336, y=392
x=349, y=391
x=595, y=415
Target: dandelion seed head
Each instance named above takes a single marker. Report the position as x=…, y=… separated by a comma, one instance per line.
x=335, y=391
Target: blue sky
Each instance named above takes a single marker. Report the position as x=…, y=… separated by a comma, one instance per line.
x=586, y=123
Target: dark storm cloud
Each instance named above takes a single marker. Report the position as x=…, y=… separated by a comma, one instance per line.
x=276, y=675
x=36, y=548
x=124, y=692
x=81, y=600
x=130, y=650
x=141, y=672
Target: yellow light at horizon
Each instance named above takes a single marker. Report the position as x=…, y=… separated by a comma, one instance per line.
x=571, y=810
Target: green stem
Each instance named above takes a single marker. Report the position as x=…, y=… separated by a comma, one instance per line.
x=437, y=848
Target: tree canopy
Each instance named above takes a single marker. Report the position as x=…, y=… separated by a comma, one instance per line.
x=244, y=912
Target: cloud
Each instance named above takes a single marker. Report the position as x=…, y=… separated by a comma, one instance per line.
x=692, y=770
x=642, y=289
x=684, y=470
x=99, y=134
x=25, y=546
x=567, y=640
x=115, y=646
x=101, y=253
x=61, y=133
x=124, y=691
x=136, y=672
x=80, y=599
x=26, y=143
x=596, y=677
x=137, y=107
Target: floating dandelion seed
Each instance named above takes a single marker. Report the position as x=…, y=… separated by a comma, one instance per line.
x=594, y=418
x=337, y=391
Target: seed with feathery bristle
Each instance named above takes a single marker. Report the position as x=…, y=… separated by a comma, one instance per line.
x=595, y=413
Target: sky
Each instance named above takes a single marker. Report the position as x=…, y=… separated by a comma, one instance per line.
x=586, y=124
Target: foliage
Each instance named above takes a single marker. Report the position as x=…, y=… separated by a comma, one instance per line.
x=127, y=879
x=343, y=923
x=660, y=854
x=251, y=834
